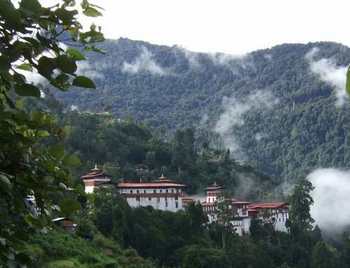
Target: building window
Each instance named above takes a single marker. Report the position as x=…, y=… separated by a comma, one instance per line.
x=154, y=191
x=176, y=204
x=166, y=203
x=131, y=191
x=160, y=190
x=138, y=191
x=176, y=197
x=144, y=191
x=166, y=190
x=137, y=198
x=172, y=190
x=149, y=198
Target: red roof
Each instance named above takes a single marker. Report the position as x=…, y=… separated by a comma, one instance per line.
x=149, y=185
x=162, y=182
x=213, y=187
x=271, y=205
x=238, y=202
x=95, y=173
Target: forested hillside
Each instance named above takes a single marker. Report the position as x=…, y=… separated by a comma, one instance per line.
x=280, y=109
x=132, y=151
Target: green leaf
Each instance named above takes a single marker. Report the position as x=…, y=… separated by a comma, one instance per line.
x=4, y=64
x=42, y=133
x=46, y=66
x=69, y=206
x=57, y=151
x=75, y=54
x=4, y=180
x=27, y=90
x=348, y=81
x=30, y=7
x=61, y=81
x=94, y=49
x=11, y=15
x=82, y=81
x=66, y=64
x=25, y=67
x=65, y=15
x=71, y=160
x=33, y=221
x=91, y=12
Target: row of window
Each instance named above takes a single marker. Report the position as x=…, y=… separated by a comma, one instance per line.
x=158, y=200
x=160, y=191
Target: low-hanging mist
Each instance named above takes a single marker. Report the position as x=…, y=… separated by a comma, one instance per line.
x=329, y=72
x=331, y=199
x=233, y=117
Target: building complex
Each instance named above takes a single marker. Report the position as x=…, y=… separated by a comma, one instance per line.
x=168, y=195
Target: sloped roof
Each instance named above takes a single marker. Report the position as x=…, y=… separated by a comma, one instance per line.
x=267, y=205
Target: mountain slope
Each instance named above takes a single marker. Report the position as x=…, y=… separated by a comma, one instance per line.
x=280, y=109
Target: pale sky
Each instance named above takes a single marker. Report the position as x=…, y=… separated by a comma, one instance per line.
x=230, y=26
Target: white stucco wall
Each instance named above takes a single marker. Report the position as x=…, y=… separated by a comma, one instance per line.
x=161, y=202
x=89, y=189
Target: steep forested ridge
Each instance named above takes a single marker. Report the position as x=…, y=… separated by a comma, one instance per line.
x=172, y=88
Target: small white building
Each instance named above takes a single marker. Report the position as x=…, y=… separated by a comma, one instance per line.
x=162, y=194
x=213, y=194
x=95, y=178
x=275, y=213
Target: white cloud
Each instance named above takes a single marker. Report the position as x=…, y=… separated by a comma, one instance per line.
x=90, y=70
x=144, y=63
x=328, y=71
x=191, y=56
x=74, y=108
x=331, y=199
x=224, y=59
x=259, y=136
x=232, y=117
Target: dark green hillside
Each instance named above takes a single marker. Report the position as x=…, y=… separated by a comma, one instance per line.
x=172, y=88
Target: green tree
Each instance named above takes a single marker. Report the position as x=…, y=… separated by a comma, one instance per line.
x=29, y=38
x=300, y=219
x=323, y=256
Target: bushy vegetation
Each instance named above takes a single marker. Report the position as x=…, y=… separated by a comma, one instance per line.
x=110, y=233
x=57, y=248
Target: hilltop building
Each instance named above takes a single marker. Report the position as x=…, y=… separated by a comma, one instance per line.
x=162, y=194
x=95, y=178
x=168, y=195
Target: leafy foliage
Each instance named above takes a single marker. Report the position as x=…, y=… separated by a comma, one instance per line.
x=33, y=176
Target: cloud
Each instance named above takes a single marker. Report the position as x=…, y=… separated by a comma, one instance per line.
x=192, y=57
x=268, y=56
x=328, y=72
x=233, y=116
x=331, y=199
x=144, y=63
x=90, y=70
x=259, y=136
x=222, y=58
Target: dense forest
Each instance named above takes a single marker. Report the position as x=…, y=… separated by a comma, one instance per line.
x=282, y=117
x=128, y=150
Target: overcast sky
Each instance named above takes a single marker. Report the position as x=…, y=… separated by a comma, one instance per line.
x=232, y=26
